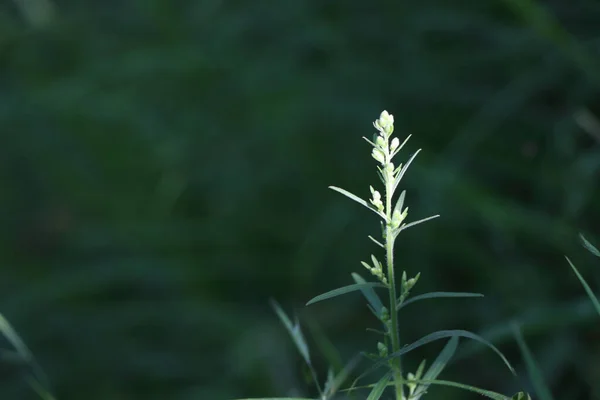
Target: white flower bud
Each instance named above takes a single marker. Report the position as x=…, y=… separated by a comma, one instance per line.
x=386, y=122
x=395, y=143
x=378, y=156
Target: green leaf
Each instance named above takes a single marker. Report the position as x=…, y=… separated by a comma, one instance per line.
x=411, y=224
x=437, y=295
x=586, y=287
x=369, y=294
x=343, y=290
x=400, y=202
x=449, y=333
x=474, y=389
x=404, y=169
x=540, y=386
x=379, y=388
x=589, y=246
x=437, y=367
x=11, y=335
x=294, y=331
x=357, y=199
x=430, y=338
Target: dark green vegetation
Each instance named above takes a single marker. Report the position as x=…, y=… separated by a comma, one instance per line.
x=164, y=169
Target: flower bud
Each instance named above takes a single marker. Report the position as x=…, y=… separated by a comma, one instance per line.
x=378, y=156
x=395, y=143
x=382, y=349
x=386, y=122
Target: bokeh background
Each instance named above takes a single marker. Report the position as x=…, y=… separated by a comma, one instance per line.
x=164, y=169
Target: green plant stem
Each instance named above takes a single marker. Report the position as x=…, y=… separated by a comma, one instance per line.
x=389, y=245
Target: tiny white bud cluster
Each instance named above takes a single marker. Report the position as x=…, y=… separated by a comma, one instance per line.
x=376, y=269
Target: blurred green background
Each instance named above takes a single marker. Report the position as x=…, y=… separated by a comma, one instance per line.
x=164, y=169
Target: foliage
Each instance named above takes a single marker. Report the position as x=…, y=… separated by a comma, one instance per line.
x=162, y=169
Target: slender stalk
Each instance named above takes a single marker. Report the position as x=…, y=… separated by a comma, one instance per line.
x=389, y=246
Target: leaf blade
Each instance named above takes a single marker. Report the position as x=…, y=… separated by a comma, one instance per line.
x=587, y=288
x=590, y=247
x=450, y=333
x=379, y=388
x=537, y=380
x=343, y=290
x=356, y=199
x=294, y=331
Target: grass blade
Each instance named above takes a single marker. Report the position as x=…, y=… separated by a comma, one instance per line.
x=294, y=331
x=343, y=290
x=591, y=248
x=11, y=335
x=586, y=287
x=15, y=340
x=540, y=386
x=437, y=295
x=298, y=338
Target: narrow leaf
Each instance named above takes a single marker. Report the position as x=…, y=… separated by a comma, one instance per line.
x=11, y=335
x=369, y=294
x=404, y=169
x=437, y=295
x=437, y=367
x=450, y=333
x=587, y=288
x=486, y=393
x=400, y=202
x=343, y=290
x=589, y=246
x=357, y=199
x=431, y=338
x=406, y=226
x=294, y=331
x=379, y=388
x=376, y=242
x=537, y=379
